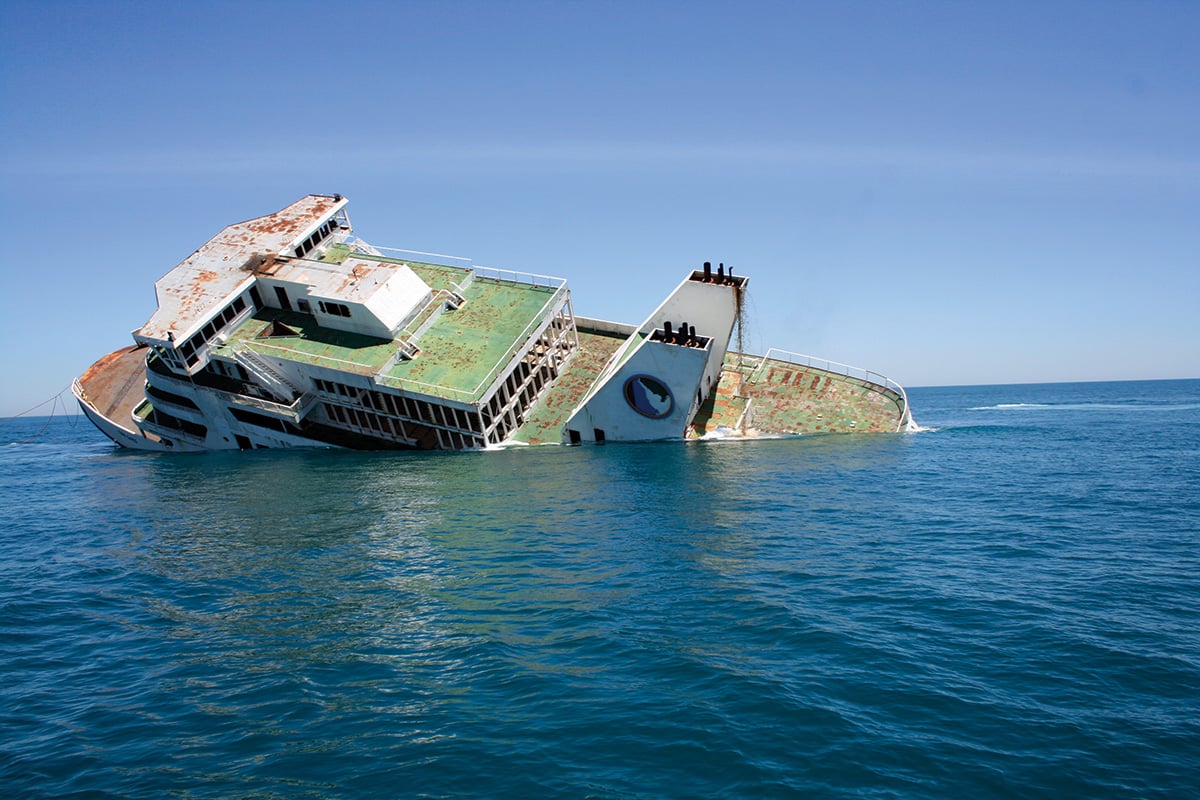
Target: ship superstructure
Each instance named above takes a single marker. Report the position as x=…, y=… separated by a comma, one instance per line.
x=288, y=330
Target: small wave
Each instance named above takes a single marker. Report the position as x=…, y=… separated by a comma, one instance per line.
x=1091, y=406
x=725, y=433
x=721, y=433
x=1000, y=406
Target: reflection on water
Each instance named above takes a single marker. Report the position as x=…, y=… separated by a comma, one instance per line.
x=283, y=558
x=877, y=614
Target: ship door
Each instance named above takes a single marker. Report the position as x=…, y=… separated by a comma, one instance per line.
x=281, y=294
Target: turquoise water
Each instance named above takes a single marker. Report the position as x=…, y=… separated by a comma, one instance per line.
x=1005, y=605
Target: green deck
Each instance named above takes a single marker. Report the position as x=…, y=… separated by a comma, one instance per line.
x=545, y=420
x=437, y=276
x=313, y=344
x=464, y=347
x=458, y=353
x=790, y=399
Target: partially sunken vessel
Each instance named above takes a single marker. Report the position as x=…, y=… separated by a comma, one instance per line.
x=290, y=331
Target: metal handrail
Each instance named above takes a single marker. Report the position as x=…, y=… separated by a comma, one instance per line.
x=869, y=376
x=445, y=260
x=314, y=356
x=296, y=409
x=531, y=278
x=434, y=390
x=497, y=368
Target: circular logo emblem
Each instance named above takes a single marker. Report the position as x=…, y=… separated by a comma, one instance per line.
x=649, y=396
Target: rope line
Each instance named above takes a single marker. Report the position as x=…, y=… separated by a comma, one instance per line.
x=56, y=402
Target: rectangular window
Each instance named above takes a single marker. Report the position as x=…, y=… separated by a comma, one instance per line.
x=334, y=309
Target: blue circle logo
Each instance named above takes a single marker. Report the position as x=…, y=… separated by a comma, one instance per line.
x=649, y=396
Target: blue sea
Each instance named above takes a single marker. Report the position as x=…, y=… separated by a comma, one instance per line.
x=1005, y=604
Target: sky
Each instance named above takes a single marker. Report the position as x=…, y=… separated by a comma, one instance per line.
x=945, y=193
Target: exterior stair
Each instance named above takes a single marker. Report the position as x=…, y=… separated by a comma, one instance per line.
x=268, y=376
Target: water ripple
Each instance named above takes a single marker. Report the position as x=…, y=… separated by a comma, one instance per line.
x=1006, y=606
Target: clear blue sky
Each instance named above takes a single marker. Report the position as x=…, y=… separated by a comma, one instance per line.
x=946, y=193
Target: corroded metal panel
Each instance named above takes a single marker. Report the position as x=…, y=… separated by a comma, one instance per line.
x=784, y=399
x=189, y=293
x=115, y=384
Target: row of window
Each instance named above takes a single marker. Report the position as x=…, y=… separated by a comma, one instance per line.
x=423, y=411
x=263, y=421
x=506, y=410
x=510, y=405
x=164, y=420
x=397, y=430
x=333, y=387
x=457, y=427
x=318, y=235
x=366, y=421
x=228, y=369
x=155, y=393
x=214, y=326
x=334, y=309
x=406, y=407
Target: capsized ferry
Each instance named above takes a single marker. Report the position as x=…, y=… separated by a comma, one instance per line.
x=289, y=330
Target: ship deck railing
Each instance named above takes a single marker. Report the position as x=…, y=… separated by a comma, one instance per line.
x=293, y=411
x=423, y=258
x=837, y=368
x=802, y=360
x=530, y=278
x=521, y=343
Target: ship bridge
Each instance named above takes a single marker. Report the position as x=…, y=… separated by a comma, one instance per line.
x=215, y=288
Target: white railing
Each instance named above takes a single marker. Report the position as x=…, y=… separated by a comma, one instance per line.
x=433, y=390
x=466, y=396
x=530, y=278
x=838, y=368
x=424, y=258
x=77, y=390
x=299, y=355
x=297, y=409
x=523, y=342
x=267, y=373
x=533, y=279
x=428, y=389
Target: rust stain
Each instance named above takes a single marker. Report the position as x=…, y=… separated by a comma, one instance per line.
x=104, y=364
x=357, y=273
x=114, y=384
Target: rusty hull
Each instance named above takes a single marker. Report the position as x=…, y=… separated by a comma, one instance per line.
x=116, y=384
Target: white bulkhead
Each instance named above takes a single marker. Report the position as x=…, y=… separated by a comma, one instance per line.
x=655, y=383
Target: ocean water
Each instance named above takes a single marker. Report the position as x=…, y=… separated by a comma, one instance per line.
x=1006, y=604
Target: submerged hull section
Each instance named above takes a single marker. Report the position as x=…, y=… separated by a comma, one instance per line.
x=289, y=331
